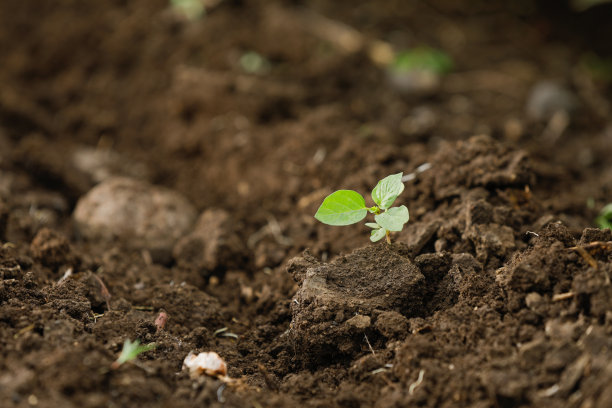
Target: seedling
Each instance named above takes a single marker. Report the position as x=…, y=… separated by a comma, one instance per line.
x=418, y=71
x=346, y=207
x=254, y=63
x=190, y=9
x=130, y=351
x=423, y=59
x=604, y=220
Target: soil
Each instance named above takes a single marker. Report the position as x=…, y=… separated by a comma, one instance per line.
x=496, y=294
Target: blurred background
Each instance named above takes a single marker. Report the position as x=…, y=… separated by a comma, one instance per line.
x=259, y=107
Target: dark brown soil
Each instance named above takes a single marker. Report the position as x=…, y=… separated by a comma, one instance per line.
x=497, y=294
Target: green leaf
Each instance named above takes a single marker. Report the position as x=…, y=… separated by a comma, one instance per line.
x=343, y=207
x=423, y=59
x=377, y=234
x=604, y=220
x=374, y=210
x=372, y=225
x=393, y=219
x=131, y=350
x=387, y=190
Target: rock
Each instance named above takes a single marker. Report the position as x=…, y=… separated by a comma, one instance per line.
x=534, y=300
x=208, y=363
x=337, y=302
x=416, y=82
x=142, y=215
x=547, y=98
x=213, y=243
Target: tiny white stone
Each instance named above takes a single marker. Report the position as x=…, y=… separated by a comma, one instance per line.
x=208, y=363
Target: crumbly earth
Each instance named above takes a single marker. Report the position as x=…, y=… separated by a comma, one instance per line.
x=496, y=294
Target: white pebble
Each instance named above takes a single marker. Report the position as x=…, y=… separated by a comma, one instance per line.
x=208, y=363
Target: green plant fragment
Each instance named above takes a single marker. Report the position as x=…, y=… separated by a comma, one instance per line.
x=423, y=59
x=604, y=220
x=343, y=207
x=131, y=350
x=372, y=225
x=377, y=234
x=387, y=190
x=254, y=63
x=393, y=219
x=191, y=9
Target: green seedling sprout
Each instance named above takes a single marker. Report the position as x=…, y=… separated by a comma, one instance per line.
x=423, y=59
x=190, y=9
x=346, y=207
x=254, y=63
x=604, y=220
x=130, y=351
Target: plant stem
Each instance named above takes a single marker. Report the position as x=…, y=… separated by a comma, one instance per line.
x=388, y=236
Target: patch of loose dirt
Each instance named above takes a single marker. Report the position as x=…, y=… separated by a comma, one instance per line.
x=496, y=294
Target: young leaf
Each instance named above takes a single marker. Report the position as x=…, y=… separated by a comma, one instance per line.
x=604, y=220
x=387, y=190
x=343, y=207
x=131, y=350
x=377, y=234
x=372, y=225
x=393, y=219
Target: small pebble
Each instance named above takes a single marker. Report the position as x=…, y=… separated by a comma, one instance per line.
x=547, y=98
x=208, y=363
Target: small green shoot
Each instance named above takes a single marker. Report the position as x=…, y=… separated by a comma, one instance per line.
x=346, y=207
x=423, y=59
x=130, y=351
x=604, y=220
x=254, y=63
x=190, y=9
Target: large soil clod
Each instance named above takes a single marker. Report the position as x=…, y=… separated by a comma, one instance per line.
x=338, y=304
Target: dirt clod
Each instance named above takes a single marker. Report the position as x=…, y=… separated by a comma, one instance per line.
x=213, y=244
x=338, y=300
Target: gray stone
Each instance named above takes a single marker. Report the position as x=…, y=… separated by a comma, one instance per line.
x=547, y=98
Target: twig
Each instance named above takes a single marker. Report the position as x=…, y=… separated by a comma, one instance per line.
x=369, y=345
x=103, y=291
x=417, y=382
x=590, y=260
x=65, y=276
x=596, y=244
x=411, y=176
x=24, y=330
x=220, y=390
x=144, y=308
x=563, y=296
x=271, y=228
